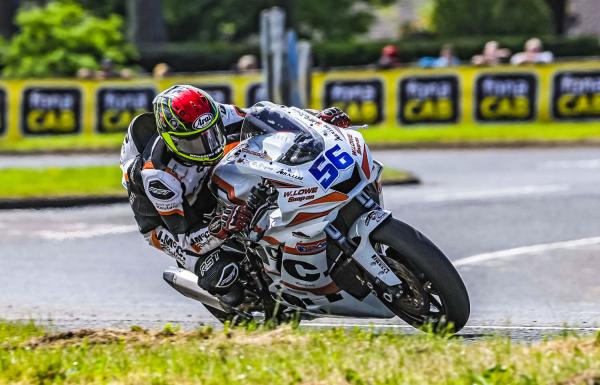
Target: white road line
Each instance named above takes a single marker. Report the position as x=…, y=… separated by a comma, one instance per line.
x=589, y=164
x=91, y=232
x=533, y=249
x=445, y=196
x=468, y=327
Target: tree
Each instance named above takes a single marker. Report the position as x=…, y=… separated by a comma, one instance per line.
x=236, y=20
x=491, y=17
x=60, y=38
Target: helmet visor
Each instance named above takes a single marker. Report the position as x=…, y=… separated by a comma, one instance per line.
x=205, y=146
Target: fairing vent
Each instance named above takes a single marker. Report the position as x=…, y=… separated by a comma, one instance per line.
x=349, y=184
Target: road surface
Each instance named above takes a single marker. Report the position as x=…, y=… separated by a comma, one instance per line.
x=523, y=227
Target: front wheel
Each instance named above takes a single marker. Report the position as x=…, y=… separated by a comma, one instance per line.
x=433, y=292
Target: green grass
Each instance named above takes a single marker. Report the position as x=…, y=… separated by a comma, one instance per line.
x=86, y=181
x=108, y=142
x=536, y=132
x=381, y=136
x=289, y=356
x=60, y=182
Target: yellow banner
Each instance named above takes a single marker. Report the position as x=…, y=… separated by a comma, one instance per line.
x=401, y=98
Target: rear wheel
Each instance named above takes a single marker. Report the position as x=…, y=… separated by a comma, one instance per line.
x=433, y=292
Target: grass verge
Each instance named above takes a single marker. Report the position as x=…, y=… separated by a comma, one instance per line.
x=287, y=356
x=91, y=181
x=520, y=133
x=60, y=182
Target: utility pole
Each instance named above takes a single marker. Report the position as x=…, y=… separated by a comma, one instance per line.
x=8, y=11
x=146, y=23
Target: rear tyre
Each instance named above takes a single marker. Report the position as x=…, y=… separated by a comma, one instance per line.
x=433, y=293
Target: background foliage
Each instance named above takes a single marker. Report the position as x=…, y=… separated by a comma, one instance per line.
x=60, y=38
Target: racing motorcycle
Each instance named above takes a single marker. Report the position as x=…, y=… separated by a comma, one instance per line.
x=320, y=243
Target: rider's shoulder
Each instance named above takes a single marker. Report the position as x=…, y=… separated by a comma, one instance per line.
x=142, y=130
x=231, y=113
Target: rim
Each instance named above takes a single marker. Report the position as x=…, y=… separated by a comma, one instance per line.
x=420, y=301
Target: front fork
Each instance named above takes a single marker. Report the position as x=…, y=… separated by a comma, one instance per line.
x=357, y=246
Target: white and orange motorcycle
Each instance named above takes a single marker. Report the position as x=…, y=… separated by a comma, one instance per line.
x=321, y=244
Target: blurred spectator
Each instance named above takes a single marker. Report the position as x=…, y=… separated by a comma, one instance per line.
x=389, y=57
x=446, y=59
x=247, y=63
x=85, y=73
x=492, y=55
x=161, y=70
x=533, y=54
x=107, y=70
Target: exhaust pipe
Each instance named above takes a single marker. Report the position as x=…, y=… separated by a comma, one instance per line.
x=186, y=283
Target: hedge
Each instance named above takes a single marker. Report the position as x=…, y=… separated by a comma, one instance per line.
x=195, y=57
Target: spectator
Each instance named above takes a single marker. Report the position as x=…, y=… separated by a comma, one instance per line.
x=446, y=59
x=85, y=74
x=107, y=70
x=533, y=54
x=160, y=71
x=492, y=55
x=247, y=63
x=389, y=58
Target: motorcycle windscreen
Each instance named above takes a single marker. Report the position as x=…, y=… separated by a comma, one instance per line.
x=306, y=144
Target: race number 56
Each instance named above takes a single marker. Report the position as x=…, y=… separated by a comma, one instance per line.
x=326, y=167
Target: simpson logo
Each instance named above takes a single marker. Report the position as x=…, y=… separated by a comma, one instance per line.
x=311, y=247
x=158, y=190
x=203, y=120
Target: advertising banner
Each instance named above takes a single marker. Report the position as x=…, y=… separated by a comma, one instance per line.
x=363, y=100
x=51, y=111
x=505, y=97
x=576, y=95
x=3, y=111
x=116, y=107
x=432, y=99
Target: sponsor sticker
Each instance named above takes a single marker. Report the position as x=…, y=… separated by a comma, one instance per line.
x=51, y=111
x=375, y=216
x=301, y=195
x=159, y=190
x=576, y=95
x=116, y=107
x=505, y=97
x=428, y=100
x=228, y=275
x=361, y=99
x=311, y=247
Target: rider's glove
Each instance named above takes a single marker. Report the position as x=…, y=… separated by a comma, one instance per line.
x=233, y=219
x=335, y=116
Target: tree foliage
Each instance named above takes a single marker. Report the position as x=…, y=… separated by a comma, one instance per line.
x=60, y=38
x=491, y=17
x=236, y=20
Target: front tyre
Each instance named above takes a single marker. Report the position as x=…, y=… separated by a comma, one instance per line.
x=433, y=292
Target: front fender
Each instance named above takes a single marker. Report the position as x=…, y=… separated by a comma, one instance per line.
x=365, y=255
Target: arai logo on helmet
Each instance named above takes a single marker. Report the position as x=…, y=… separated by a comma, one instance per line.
x=203, y=121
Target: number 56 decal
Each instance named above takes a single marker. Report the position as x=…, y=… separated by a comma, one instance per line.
x=326, y=167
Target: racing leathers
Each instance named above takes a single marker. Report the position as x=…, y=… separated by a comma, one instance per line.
x=173, y=206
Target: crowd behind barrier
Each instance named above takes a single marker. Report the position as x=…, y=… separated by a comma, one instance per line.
x=403, y=98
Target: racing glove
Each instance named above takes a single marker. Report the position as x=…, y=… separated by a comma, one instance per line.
x=335, y=116
x=233, y=219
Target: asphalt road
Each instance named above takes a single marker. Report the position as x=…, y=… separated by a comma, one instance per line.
x=523, y=227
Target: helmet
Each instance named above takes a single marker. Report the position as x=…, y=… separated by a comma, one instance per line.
x=190, y=123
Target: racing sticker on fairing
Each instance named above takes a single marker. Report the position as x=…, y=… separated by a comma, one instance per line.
x=116, y=107
x=47, y=111
x=505, y=97
x=363, y=100
x=428, y=100
x=576, y=95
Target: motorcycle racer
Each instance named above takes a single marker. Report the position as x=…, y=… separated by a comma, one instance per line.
x=166, y=159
